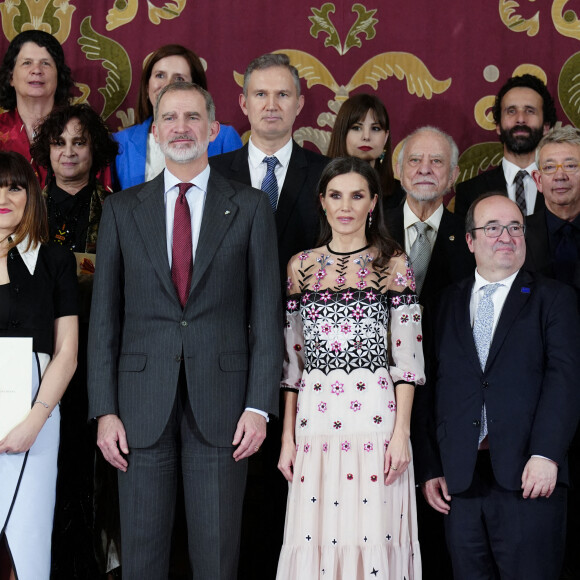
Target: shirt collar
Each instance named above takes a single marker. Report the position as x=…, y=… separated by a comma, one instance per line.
x=510, y=170
x=480, y=281
x=256, y=156
x=29, y=257
x=200, y=180
x=554, y=223
x=434, y=220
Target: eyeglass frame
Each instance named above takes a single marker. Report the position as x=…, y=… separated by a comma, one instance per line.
x=558, y=165
x=523, y=226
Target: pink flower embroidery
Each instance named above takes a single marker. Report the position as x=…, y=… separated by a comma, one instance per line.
x=392, y=406
x=357, y=312
x=303, y=423
x=325, y=447
x=400, y=280
x=374, y=478
x=378, y=419
x=305, y=298
x=419, y=338
x=337, y=425
x=320, y=274
x=398, y=342
x=336, y=346
x=416, y=318
x=340, y=280
x=322, y=407
x=355, y=406
x=396, y=300
x=297, y=347
x=313, y=313
x=303, y=256
x=349, y=476
x=368, y=447
x=316, y=287
x=404, y=318
x=306, y=448
x=362, y=273
x=361, y=386
x=317, y=387
x=292, y=305
x=289, y=283
x=347, y=296
x=371, y=296
x=345, y=328
x=301, y=384
x=361, y=284
x=326, y=328
x=325, y=297
x=409, y=376
x=383, y=383
x=346, y=446
x=337, y=388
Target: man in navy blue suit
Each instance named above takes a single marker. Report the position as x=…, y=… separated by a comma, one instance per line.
x=494, y=428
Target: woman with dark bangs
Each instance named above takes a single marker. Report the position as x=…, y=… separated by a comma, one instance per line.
x=362, y=130
x=38, y=302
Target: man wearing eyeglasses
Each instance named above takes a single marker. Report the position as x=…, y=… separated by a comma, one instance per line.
x=553, y=248
x=503, y=406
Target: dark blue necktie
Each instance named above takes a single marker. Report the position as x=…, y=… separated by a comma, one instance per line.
x=270, y=184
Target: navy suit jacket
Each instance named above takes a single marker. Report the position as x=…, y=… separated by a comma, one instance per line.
x=492, y=180
x=529, y=385
x=451, y=259
x=296, y=215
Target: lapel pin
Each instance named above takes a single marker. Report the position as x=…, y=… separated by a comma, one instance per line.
x=227, y=212
x=525, y=290
x=451, y=238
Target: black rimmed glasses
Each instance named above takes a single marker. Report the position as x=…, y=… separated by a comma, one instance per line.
x=496, y=230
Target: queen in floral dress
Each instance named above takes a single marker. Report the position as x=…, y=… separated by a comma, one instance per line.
x=353, y=358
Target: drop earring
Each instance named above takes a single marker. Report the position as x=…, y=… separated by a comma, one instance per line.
x=370, y=217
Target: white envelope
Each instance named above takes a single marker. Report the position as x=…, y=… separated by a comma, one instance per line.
x=15, y=379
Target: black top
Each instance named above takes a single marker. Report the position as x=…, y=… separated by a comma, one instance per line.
x=68, y=215
x=36, y=300
x=4, y=304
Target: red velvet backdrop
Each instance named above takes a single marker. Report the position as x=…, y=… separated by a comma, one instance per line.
x=436, y=63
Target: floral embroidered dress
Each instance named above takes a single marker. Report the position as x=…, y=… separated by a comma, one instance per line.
x=342, y=522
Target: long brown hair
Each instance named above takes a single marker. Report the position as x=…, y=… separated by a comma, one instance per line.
x=354, y=110
x=376, y=234
x=144, y=106
x=16, y=171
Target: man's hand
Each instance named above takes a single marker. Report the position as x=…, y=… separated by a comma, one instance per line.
x=436, y=494
x=249, y=435
x=111, y=438
x=539, y=477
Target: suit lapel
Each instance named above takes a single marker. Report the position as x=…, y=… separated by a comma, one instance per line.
x=395, y=223
x=292, y=187
x=149, y=216
x=463, y=322
x=218, y=213
x=517, y=298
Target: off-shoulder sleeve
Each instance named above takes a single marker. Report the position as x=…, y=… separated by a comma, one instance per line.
x=405, y=325
x=293, y=334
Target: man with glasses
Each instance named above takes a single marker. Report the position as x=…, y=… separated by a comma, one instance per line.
x=553, y=248
x=503, y=406
x=523, y=112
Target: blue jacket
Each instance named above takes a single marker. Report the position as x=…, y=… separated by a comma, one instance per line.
x=130, y=162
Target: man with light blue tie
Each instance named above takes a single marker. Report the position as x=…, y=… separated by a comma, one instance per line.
x=491, y=447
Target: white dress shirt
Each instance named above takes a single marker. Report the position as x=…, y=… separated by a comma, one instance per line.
x=195, y=198
x=509, y=171
x=409, y=219
x=258, y=168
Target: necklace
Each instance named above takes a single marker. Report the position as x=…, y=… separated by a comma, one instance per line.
x=346, y=253
x=65, y=226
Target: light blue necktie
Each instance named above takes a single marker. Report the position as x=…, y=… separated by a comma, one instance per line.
x=482, y=327
x=270, y=184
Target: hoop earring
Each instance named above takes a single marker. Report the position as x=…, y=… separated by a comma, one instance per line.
x=370, y=218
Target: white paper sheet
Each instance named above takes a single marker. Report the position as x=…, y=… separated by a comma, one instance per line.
x=15, y=379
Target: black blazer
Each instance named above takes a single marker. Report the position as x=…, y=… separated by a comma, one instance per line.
x=529, y=385
x=451, y=259
x=492, y=180
x=296, y=215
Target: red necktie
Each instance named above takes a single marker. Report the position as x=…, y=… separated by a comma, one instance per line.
x=182, y=254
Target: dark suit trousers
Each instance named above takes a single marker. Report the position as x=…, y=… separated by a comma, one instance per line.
x=213, y=486
x=495, y=533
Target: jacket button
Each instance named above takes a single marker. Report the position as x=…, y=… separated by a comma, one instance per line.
x=485, y=384
x=477, y=423
x=16, y=289
x=184, y=323
x=15, y=323
x=177, y=358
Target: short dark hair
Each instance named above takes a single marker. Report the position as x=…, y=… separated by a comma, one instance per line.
x=353, y=111
x=527, y=81
x=271, y=60
x=52, y=45
x=376, y=234
x=104, y=148
x=469, y=217
x=144, y=106
x=16, y=171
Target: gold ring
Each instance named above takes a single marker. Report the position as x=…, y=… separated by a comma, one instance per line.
x=394, y=468
x=256, y=449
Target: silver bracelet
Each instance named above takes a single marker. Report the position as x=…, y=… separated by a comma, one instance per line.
x=45, y=405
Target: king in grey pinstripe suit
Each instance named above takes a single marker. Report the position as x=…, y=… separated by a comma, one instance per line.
x=176, y=389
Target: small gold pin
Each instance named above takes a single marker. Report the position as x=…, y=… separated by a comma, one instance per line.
x=451, y=238
x=227, y=212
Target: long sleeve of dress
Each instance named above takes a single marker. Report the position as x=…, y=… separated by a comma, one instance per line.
x=405, y=325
